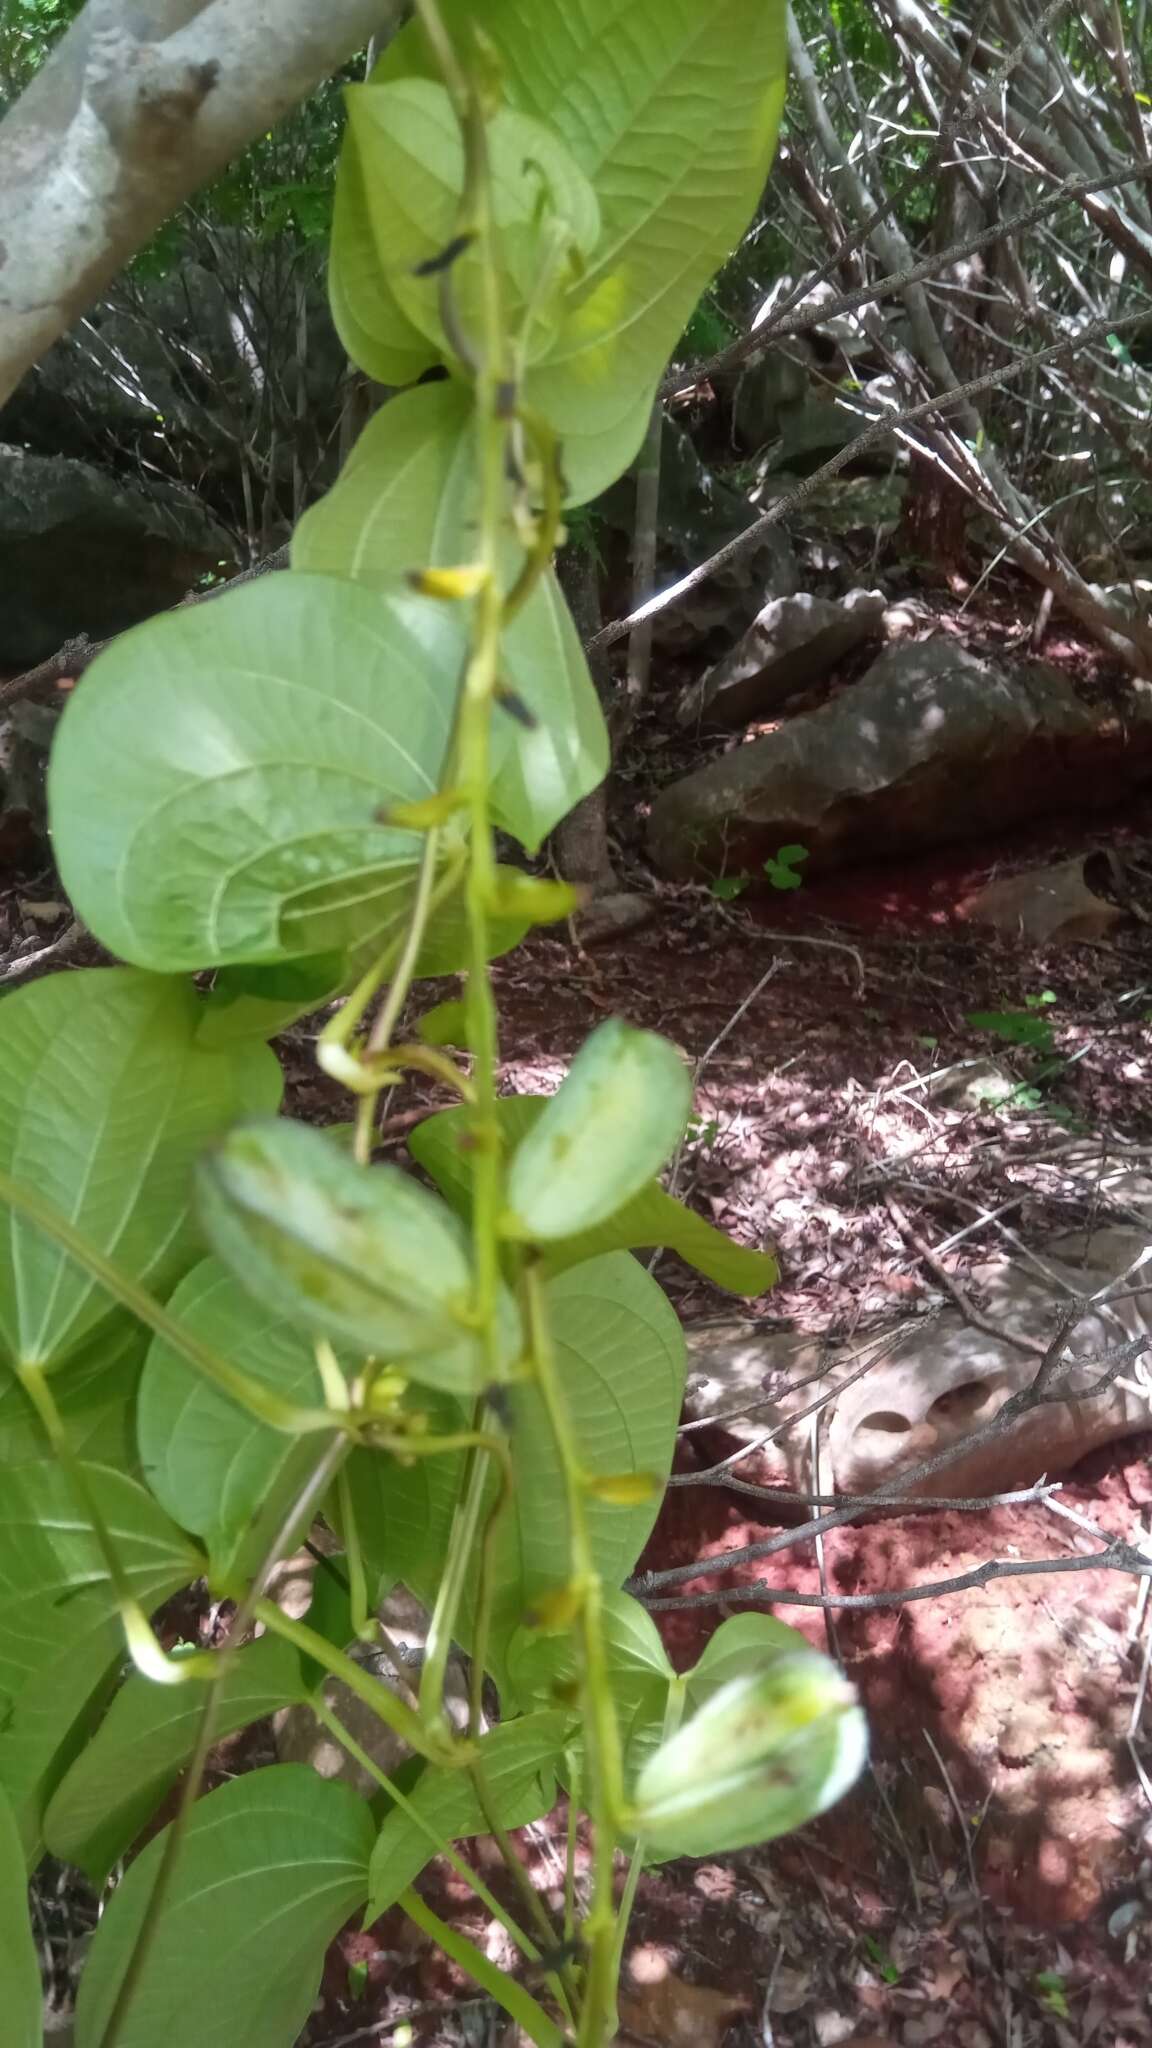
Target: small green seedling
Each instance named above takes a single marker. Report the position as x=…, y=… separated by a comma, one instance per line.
x=726, y=888
x=881, y=1961
x=1050, y=1988
x=781, y=866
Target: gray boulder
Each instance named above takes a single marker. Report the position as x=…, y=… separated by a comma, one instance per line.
x=932, y=745
x=83, y=552
x=790, y=645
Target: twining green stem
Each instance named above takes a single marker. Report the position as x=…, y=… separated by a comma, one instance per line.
x=485, y=1598
x=329, y=1719
x=362, y=1620
x=248, y=1394
x=472, y=764
x=458, y=1562
x=504, y=1990
x=606, y=1804
x=143, y=1646
x=564, y=1988
x=312, y=1491
x=570, y=1844
x=427, y=1742
x=385, y=1022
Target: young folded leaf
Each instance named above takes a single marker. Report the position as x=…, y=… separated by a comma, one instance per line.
x=766, y=1753
x=518, y=1758
x=364, y=1255
x=650, y=1219
x=613, y=1123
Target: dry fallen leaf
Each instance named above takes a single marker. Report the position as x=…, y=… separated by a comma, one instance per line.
x=670, y=2014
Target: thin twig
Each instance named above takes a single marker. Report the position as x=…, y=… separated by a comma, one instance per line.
x=1118, y=1557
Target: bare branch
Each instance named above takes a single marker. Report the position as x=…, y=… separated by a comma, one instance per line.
x=131, y=113
x=1118, y=1557
x=1114, y=629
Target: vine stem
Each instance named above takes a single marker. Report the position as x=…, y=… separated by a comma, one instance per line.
x=382, y=1701
x=503, y=1989
x=329, y=1719
x=606, y=1803
x=146, y=1653
x=473, y=764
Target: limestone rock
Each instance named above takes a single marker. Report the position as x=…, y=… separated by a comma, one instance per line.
x=82, y=551
x=931, y=746
x=1045, y=906
x=790, y=645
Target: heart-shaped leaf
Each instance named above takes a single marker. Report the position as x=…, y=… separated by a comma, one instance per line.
x=218, y=779
x=614, y=1122
x=106, y=1100
x=362, y=1254
x=374, y=331
x=270, y=1868
x=650, y=1219
x=120, y=1778
x=407, y=499
x=411, y=152
x=674, y=125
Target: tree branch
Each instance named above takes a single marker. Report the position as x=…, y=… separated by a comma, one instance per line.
x=128, y=116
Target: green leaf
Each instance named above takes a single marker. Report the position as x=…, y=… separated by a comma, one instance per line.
x=21, y=1997
x=95, y=1392
x=271, y=1867
x=362, y=1254
x=621, y=1360
x=445, y=1024
x=407, y=499
x=60, y=1633
x=446, y=946
x=215, y=1468
x=404, y=1512
x=742, y=1644
x=614, y=1121
x=727, y=887
x=259, y=1002
x=650, y=1219
x=518, y=1760
x=409, y=144
x=1018, y=1027
x=674, y=124
x=217, y=780
x=120, y=1779
x=106, y=1100
x=374, y=331
x=544, y=1668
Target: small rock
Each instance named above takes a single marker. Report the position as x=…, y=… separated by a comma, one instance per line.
x=790, y=645
x=1044, y=906
x=608, y=917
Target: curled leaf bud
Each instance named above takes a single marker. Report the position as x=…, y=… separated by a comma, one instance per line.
x=766, y=1753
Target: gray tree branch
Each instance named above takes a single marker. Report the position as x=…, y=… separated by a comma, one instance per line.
x=131, y=113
